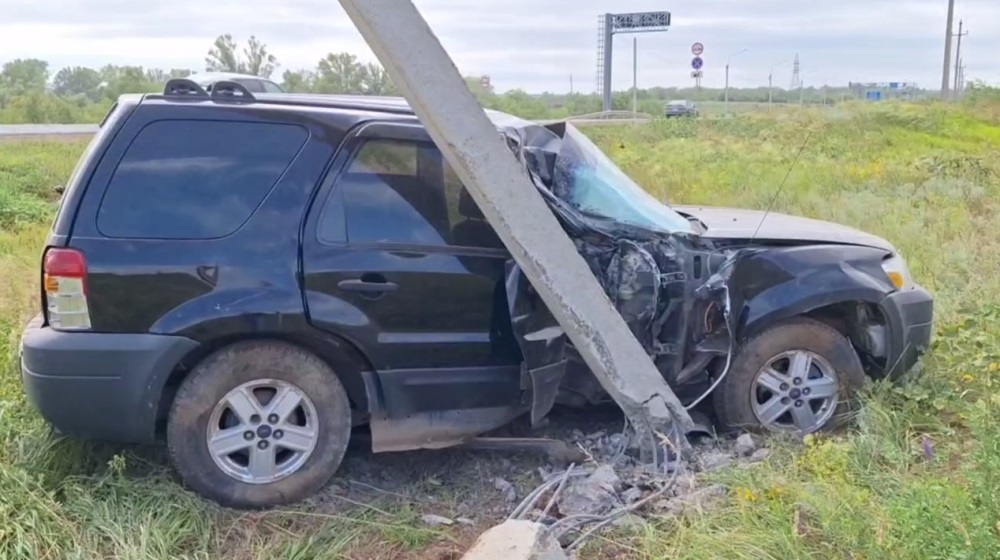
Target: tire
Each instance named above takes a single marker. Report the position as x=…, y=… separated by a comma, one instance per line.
x=321, y=424
x=734, y=397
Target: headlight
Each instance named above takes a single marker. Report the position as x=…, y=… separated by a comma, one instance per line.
x=895, y=268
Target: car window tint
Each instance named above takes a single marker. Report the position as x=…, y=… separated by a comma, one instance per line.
x=405, y=192
x=182, y=179
x=271, y=87
x=255, y=86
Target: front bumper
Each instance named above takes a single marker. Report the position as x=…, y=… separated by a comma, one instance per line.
x=910, y=319
x=98, y=385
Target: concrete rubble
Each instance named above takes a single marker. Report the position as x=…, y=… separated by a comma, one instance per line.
x=516, y=540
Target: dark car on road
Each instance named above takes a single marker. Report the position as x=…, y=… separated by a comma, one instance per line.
x=252, y=277
x=681, y=108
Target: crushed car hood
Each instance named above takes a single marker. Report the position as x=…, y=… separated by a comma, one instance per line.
x=736, y=223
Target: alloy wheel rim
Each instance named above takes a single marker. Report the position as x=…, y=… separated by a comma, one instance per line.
x=262, y=431
x=795, y=391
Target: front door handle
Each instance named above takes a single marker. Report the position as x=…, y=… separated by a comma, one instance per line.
x=369, y=284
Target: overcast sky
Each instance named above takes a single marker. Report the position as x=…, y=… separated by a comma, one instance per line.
x=535, y=45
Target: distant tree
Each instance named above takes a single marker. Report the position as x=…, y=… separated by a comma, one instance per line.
x=298, y=81
x=259, y=61
x=22, y=76
x=256, y=60
x=78, y=81
x=376, y=81
x=339, y=73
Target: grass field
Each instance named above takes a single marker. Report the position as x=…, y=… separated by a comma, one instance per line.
x=915, y=478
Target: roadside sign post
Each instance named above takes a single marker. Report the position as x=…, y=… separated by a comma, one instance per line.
x=697, y=50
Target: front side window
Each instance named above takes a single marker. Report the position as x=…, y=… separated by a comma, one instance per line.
x=404, y=192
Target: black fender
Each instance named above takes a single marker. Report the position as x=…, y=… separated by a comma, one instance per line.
x=223, y=318
x=772, y=285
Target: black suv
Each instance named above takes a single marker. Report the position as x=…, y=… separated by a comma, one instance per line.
x=251, y=278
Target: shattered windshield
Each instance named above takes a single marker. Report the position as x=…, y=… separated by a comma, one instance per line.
x=590, y=182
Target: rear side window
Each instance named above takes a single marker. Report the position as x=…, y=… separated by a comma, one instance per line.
x=183, y=179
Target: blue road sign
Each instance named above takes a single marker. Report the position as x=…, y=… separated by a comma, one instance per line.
x=697, y=63
x=873, y=95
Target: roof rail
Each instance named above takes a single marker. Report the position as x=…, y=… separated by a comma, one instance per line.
x=183, y=86
x=232, y=90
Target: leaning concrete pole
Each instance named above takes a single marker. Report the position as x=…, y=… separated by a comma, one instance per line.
x=418, y=64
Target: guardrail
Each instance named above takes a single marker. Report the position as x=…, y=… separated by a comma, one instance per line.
x=27, y=130
x=41, y=130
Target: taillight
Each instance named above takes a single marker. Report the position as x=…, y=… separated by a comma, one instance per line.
x=64, y=277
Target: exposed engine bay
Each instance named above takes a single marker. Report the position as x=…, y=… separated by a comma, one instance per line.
x=667, y=282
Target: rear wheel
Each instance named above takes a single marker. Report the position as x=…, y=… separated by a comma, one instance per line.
x=259, y=424
x=798, y=376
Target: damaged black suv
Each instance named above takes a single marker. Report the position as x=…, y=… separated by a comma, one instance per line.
x=251, y=278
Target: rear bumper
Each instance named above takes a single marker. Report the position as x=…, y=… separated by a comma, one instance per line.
x=910, y=318
x=98, y=385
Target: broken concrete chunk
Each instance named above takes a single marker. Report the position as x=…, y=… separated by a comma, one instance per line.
x=760, y=455
x=516, y=540
x=436, y=520
x=698, y=500
x=632, y=495
x=596, y=494
x=629, y=521
x=714, y=460
x=508, y=490
x=746, y=444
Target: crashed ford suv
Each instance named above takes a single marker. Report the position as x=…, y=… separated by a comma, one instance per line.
x=254, y=277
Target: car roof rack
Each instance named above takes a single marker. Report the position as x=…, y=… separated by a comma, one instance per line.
x=183, y=87
x=231, y=90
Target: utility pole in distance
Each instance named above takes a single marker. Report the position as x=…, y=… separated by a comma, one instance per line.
x=958, y=59
x=420, y=67
x=946, y=74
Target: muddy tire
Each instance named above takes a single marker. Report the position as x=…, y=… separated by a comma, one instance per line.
x=258, y=424
x=797, y=376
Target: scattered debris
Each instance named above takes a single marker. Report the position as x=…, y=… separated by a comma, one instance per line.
x=760, y=455
x=698, y=500
x=508, y=490
x=596, y=494
x=715, y=460
x=746, y=444
x=516, y=540
x=436, y=520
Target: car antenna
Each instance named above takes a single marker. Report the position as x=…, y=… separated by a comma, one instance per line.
x=781, y=186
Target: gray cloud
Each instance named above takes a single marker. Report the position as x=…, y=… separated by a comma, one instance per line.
x=530, y=44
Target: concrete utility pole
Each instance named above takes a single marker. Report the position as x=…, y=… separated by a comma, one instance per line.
x=418, y=64
x=635, y=78
x=770, y=84
x=725, y=111
x=946, y=74
x=958, y=60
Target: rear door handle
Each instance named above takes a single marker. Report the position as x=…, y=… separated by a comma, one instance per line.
x=368, y=285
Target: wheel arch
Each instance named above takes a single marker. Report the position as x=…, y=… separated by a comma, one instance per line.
x=346, y=360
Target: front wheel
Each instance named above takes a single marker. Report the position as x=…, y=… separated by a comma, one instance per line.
x=259, y=424
x=797, y=376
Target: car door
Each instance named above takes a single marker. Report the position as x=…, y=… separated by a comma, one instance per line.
x=397, y=259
